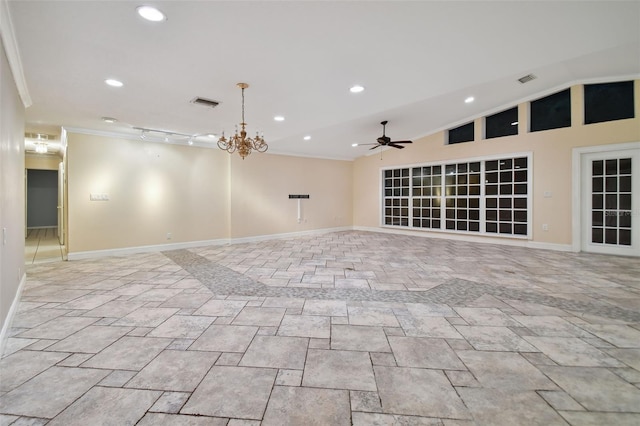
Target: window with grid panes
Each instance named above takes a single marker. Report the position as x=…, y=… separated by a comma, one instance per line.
x=611, y=202
x=462, y=196
x=426, y=191
x=454, y=196
x=506, y=191
x=396, y=197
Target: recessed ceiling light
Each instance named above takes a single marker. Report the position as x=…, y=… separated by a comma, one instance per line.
x=356, y=88
x=469, y=100
x=354, y=144
x=150, y=13
x=114, y=83
x=109, y=119
x=306, y=138
x=278, y=118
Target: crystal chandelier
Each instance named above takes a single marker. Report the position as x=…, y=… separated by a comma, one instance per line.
x=41, y=148
x=240, y=142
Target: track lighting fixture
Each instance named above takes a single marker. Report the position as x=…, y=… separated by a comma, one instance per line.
x=157, y=135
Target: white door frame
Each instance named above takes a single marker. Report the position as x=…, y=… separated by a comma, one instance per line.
x=61, y=179
x=576, y=185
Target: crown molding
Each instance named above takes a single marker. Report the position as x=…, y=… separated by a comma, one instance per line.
x=8, y=37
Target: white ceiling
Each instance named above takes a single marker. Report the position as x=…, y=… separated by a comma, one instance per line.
x=417, y=60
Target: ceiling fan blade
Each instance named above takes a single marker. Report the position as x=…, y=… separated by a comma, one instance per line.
x=401, y=142
x=374, y=147
x=396, y=146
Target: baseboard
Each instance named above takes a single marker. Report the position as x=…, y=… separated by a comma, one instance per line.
x=551, y=246
x=289, y=235
x=222, y=241
x=515, y=242
x=6, y=325
x=92, y=254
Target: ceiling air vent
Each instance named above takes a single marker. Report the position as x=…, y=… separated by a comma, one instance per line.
x=527, y=78
x=39, y=136
x=205, y=102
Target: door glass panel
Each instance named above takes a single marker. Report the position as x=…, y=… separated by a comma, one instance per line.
x=611, y=202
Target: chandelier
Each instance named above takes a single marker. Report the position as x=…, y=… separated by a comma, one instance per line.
x=240, y=142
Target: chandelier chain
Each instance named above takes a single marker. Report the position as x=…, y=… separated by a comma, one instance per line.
x=243, y=106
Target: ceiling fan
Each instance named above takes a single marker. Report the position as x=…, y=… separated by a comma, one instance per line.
x=385, y=140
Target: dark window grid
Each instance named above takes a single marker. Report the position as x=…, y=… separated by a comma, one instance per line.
x=608, y=102
x=426, y=212
x=426, y=197
x=611, y=226
x=463, y=213
x=504, y=123
x=517, y=226
x=507, y=170
x=603, y=235
x=396, y=197
x=464, y=133
x=551, y=112
x=506, y=214
x=611, y=202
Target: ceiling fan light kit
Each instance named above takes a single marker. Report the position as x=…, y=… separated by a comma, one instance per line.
x=385, y=140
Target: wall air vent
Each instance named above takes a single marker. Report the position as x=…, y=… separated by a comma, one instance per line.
x=205, y=102
x=527, y=78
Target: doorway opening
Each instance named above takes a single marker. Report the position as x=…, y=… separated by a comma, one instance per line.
x=42, y=242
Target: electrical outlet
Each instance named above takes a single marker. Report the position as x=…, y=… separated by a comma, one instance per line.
x=547, y=194
x=168, y=235
x=98, y=197
x=545, y=227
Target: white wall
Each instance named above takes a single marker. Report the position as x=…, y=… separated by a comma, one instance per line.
x=11, y=190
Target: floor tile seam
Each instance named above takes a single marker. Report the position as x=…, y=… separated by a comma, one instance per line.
x=271, y=291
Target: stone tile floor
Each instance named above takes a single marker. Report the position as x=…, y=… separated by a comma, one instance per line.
x=42, y=245
x=336, y=329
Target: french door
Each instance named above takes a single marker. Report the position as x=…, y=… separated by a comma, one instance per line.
x=611, y=202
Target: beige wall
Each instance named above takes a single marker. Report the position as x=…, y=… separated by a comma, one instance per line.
x=12, y=201
x=260, y=188
x=196, y=194
x=42, y=162
x=551, y=164
x=153, y=189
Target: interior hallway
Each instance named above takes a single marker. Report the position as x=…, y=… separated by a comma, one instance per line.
x=349, y=328
x=42, y=245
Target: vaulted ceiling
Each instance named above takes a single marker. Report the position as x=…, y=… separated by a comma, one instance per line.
x=417, y=61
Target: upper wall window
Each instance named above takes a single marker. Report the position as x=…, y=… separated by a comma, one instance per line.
x=551, y=112
x=464, y=133
x=504, y=123
x=608, y=102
